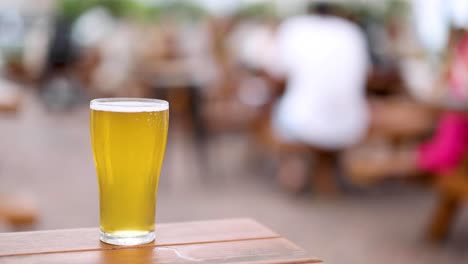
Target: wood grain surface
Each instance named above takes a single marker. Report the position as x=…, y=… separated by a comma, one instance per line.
x=218, y=241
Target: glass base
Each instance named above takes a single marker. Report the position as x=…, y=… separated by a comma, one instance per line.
x=127, y=238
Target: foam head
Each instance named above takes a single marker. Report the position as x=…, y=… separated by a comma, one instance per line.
x=129, y=105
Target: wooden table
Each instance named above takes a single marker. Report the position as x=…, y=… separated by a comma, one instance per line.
x=217, y=241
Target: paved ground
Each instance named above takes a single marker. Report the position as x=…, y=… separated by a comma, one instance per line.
x=48, y=155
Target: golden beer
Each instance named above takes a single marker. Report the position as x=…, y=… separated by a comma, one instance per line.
x=128, y=138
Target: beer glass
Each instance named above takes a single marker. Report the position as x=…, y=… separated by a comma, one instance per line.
x=128, y=138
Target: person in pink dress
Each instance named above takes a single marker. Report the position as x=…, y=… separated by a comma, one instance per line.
x=448, y=148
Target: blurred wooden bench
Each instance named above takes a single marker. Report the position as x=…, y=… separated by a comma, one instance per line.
x=397, y=127
x=453, y=191
x=217, y=241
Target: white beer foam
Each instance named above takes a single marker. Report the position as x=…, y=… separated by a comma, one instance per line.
x=129, y=106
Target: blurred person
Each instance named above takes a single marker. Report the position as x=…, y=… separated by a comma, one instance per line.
x=58, y=88
x=325, y=61
x=448, y=147
x=445, y=151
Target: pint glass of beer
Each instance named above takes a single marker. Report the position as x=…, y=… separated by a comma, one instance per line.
x=128, y=138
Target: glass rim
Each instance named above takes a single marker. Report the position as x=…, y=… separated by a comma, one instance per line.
x=149, y=104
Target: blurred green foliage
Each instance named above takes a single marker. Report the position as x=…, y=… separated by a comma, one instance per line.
x=257, y=10
x=379, y=14
x=70, y=10
x=188, y=10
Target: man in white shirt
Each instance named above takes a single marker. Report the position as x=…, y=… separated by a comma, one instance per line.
x=325, y=61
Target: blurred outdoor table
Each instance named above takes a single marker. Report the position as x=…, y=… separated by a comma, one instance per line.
x=216, y=241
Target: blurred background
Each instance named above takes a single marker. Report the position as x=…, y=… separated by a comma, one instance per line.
x=342, y=125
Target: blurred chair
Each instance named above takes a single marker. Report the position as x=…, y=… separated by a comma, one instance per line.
x=297, y=162
x=453, y=191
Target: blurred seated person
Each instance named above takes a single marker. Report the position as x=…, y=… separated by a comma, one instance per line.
x=325, y=62
x=446, y=150
x=448, y=147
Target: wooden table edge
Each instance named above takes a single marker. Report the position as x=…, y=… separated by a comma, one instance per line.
x=149, y=245
x=104, y=247
x=266, y=236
